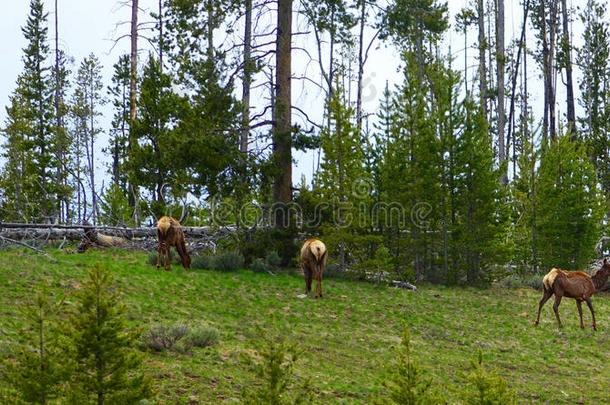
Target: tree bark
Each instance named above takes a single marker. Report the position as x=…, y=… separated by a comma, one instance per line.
x=282, y=139
x=243, y=144
x=134, y=61
x=500, y=79
x=132, y=93
x=571, y=114
x=360, y=65
x=482, y=62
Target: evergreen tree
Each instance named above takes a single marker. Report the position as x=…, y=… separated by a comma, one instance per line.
x=29, y=132
x=480, y=236
x=40, y=365
x=342, y=183
x=523, y=227
x=119, y=132
x=412, y=172
x=569, y=206
x=86, y=104
x=274, y=369
x=595, y=88
x=407, y=383
x=63, y=140
x=107, y=367
x=18, y=179
x=486, y=387
x=153, y=161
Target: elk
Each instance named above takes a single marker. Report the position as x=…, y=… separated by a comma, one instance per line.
x=573, y=284
x=313, y=261
x=169, y=233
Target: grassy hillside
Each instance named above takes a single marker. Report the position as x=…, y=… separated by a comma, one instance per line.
x=347, y=336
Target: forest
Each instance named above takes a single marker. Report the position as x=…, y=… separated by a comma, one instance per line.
x=453, y=176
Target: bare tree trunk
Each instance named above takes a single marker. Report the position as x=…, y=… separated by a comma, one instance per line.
x=210, y=35
x=91, y=160
x=161, y=45
x=282, y=128
x=360, y=64
x=500, y=79
x=243, y=144
x=567, y=48
x=511, y=120
x=548, y=56
x=482, y=62
x=133, y=89
x=134, y=60
x=58, y=122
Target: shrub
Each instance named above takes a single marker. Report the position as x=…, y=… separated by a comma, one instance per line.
x=203, y=262
x=228, y=261
x=514, y=281
x=203, y=337
x=334, y=270
x=533, y=281
x=273, y=259
x=259, y=266
x=511, y=282
x=160, y=337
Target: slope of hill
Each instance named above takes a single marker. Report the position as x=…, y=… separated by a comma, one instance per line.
x=348, y=336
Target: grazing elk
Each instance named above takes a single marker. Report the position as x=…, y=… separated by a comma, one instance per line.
x=573, y=284
x=169, y=233
x=313, y=261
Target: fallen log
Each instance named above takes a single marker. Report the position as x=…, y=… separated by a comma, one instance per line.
x=142, y=238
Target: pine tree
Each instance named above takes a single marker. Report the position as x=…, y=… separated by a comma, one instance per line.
x=29, y=132
x=480, y=234
x=523, y=227
x=107, y=367
x=154, y=164
x=63, y=139
x=407, y=382
x=40, y=365
x=274, y=370
x=342, y=182
x=569, y=206
x=86, y=109
x=486, y=387
x=18, y=184
x=595, y=88
x=119, y=132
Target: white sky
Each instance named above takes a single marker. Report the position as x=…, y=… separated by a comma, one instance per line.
x=87, y=26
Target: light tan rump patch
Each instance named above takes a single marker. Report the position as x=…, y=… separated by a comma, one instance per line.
x=549, y=279
x=318, y=249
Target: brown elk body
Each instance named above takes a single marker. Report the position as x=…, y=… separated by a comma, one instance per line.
x=169, y=233
x=573, y=284
x=313, y=262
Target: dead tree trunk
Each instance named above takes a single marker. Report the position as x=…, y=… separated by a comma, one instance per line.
x=482, y=63
x=567, y=64
x=500, y=79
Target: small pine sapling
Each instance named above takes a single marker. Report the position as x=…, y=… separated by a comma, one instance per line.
x=107, y=365
x=407, y=383
x=38, y=367
x=486, y=387
x=273, y=364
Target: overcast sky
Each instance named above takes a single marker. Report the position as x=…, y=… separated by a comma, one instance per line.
x=87, y=26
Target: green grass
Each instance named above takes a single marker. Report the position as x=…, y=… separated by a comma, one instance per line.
x=347, y=337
